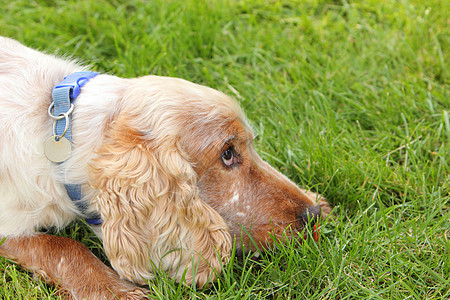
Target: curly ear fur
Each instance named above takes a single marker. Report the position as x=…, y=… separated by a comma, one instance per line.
x=151, y=209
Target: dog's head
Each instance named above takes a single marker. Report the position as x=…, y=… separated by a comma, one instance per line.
x=178, y=177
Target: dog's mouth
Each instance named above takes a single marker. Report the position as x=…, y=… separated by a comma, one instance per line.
x=255, y=255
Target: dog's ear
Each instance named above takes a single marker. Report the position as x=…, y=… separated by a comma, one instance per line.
x=151, y=210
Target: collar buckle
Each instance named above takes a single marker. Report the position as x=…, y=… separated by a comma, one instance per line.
x=75, y=81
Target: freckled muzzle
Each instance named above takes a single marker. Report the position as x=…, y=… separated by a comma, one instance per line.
x=308, y=218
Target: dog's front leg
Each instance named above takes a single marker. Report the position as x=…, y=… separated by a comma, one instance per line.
x=70, y=266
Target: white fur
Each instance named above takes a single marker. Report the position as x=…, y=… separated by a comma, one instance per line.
x=235, y=198
x=31, y=191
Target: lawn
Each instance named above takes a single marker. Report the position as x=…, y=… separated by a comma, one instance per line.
x=349, y=99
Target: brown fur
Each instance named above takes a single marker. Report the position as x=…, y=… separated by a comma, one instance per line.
x=69, y=265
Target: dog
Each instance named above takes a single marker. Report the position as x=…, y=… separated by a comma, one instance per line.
x=166, y=165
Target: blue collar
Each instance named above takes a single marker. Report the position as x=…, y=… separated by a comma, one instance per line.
x=64, y=93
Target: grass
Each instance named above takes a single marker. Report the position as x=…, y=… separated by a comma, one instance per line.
x=349, y=98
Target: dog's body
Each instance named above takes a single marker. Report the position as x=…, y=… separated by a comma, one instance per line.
x=168, y=165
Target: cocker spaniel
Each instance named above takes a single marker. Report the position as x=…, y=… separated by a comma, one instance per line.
x=166, y=166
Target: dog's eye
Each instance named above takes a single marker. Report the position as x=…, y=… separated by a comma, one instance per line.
x=228, y=157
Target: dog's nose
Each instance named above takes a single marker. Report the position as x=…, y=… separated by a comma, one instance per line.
x=311, y=215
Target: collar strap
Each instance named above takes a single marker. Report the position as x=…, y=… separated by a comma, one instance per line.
x=64, y=93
